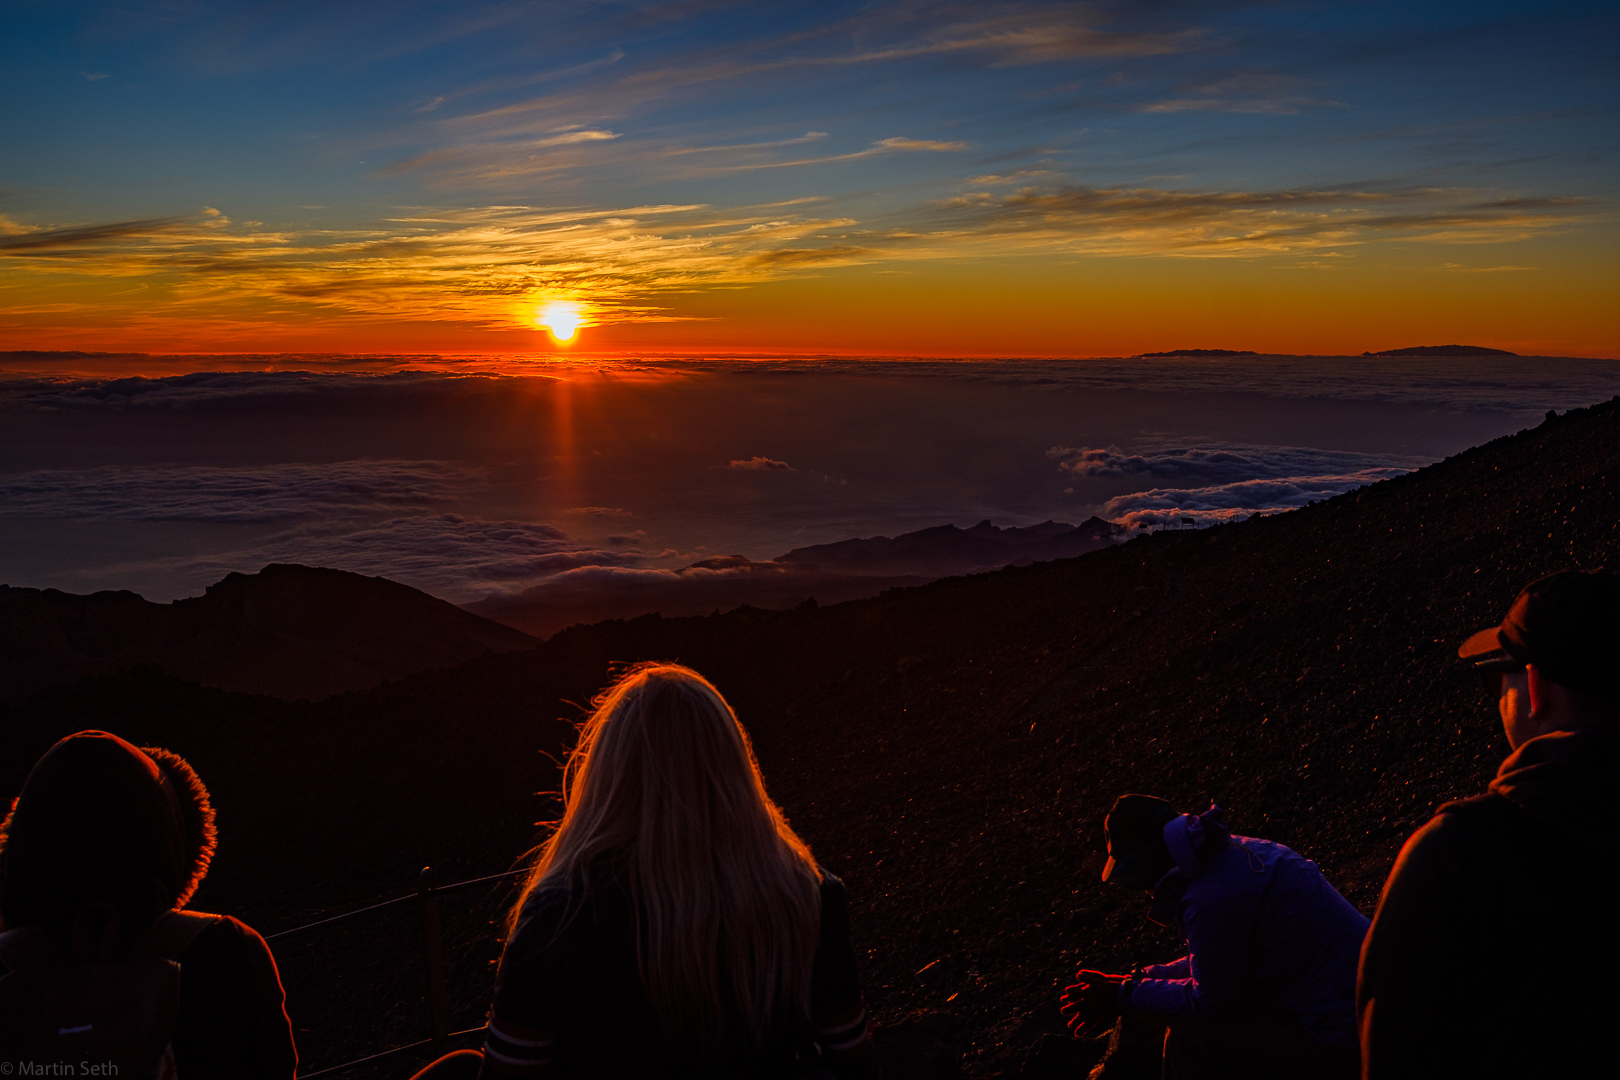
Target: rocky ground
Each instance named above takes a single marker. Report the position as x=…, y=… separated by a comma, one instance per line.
x=949, y=751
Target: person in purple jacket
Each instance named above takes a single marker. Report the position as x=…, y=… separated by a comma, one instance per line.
x=1268, y=986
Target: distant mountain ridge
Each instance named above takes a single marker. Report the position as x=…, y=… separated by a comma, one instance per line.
x=288, y=631
x=946, y=549
x=826, y=573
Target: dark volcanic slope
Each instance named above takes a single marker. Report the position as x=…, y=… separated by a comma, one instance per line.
x=948, y=750
x=288, y=631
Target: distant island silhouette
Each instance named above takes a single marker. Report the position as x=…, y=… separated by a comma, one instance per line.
x=1199, y=352
x=1442, y=350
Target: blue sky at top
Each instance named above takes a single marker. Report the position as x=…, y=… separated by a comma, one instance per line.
x=138, y=108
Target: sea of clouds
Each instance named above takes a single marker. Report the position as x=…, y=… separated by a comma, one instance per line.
x=1222, y=483
x=265, y=493
x=148, y=453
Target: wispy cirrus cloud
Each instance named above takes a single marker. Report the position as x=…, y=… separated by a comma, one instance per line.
x=17, y=238
x=809, y=136
x=534, y=148
x=493, y=143
x=499, y=162
x=1146, y=220
x=785, y=258
x=1241, y=92
x=881, y=146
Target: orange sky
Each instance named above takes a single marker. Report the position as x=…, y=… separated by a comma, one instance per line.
x=983, y=307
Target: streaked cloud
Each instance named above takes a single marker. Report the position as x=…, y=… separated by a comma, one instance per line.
x=247, y=389
x=1279, y=106
x=758, y=463
x=532, y=148
x=1226, y=482
x=789, y=257
x=1243, y=92
x=809, y=136
x=17, y=238
x=1223, y=463
x=1192, y=222
x=451, y=556
x=1236, y=501
x=237, y=495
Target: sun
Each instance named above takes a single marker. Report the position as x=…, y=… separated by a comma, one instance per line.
x=561, y=317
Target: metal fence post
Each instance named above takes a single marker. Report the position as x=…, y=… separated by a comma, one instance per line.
x=433, y=959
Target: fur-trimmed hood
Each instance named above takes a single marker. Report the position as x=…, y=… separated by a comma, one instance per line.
x=98, y=821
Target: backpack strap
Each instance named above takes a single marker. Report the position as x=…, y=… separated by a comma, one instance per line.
x=26, y=948
x=170, y=933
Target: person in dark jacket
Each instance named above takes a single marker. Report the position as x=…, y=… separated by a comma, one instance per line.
x=1267, y=988
x=673, y=925
x=103, y=849
x=1493, y=953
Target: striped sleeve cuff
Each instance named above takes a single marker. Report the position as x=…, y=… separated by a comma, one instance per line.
x=846, y=1035
x=514, y=1050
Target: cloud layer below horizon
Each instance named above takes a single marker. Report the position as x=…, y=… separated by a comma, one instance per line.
x=470, y=481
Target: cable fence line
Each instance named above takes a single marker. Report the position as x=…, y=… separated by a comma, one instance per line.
x=439, y=890
x=426, y=897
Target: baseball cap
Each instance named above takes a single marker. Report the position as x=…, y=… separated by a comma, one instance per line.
x=1568, y=625
x=1136, y=849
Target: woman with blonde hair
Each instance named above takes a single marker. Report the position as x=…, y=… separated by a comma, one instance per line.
x=674, y=924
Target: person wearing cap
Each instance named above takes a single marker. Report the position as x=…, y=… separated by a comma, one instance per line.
x=1267, y=988
x=1493, y=949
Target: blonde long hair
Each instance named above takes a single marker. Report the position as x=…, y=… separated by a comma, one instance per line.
x=665, y=784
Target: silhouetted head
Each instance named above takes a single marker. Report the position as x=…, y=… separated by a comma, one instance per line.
x=1554, y=662
x=1137, y=854
x=663, y=788
x=99, y=821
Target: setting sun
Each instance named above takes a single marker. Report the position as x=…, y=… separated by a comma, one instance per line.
x=561, y=317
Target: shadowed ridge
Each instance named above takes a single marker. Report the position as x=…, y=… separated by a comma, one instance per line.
x=289, y=631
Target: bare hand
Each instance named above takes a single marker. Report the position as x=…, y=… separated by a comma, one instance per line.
x=1092, y=1001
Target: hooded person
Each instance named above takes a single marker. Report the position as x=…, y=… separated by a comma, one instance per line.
x=1492, y=953
x=99, y=856
x=1267, y=987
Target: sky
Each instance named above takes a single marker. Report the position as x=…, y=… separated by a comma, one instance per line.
x=841, y=179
